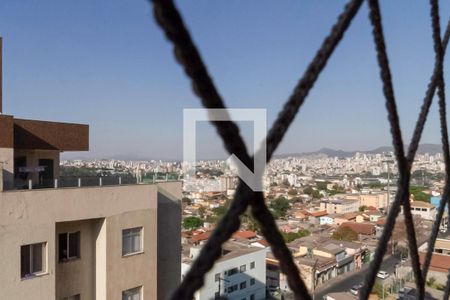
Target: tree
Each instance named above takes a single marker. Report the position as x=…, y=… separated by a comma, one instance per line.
x=418, y=194
x=279, y=207
x=186, y=200
x=201, y=212
x=379, y=290
x=250, y=222
x=345, y=233
x=362, y=208
x=286, y=183
x=292, y=192
x=290, y=236
x=191, y=223
x=219, y=212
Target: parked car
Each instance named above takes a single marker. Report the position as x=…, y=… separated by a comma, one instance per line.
x=355, y=289
x=382, y=274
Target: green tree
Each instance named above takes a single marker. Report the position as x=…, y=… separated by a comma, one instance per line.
x=290, y=236
x=418, y=194
x=191, y=223
x=250, y=222
x=201, y=212
x=378, y=289
x=279, y=207
x=219, y=212
x=345, y=233
x=292, y=192
x=362, y=208
x=186, y=200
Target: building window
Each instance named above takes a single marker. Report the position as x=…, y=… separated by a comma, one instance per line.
x=233, y=271
x=243, y=285
x=69, y=245
x=243, y=268
x=216, y=295
x=217, y=277
x=131, y=240
x=252, y=265
x=232, y=288
x=252, y=281
x=132, y=294
x=252, y=297
x=75, y=297
x=32, y=259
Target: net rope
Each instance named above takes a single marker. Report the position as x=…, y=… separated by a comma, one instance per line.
x=187, y=54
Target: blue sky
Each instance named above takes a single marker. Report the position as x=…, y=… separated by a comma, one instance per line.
x=107, y=64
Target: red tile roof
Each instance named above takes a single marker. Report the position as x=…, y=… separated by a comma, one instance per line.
x=361, y=228
x=201, y=237
x=439, y=262
x=244, y=234
x=318, y=213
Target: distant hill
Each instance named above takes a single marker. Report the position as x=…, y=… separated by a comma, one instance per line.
x=423, y=148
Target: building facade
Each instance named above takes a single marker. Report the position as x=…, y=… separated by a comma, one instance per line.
x=103, y=242
x=240, y=273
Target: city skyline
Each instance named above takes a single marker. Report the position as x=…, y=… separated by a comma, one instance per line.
x=115, y=72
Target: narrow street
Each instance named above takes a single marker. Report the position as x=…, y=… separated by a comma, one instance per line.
x=344, y=282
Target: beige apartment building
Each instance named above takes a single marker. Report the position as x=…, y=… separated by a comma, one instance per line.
x=339, y=206
x=374, y=199
x=116, y=242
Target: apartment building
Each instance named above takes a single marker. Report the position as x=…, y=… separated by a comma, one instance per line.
x=79, y=243
x=425, y=210
x=440, y=259
x=339, y=206
x=374, y=199
x=240, y=273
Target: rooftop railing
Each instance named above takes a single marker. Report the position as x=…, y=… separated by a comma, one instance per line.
x=90, y=181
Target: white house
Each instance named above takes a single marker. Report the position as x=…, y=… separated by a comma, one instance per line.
x=239, y=274
x=425, y=210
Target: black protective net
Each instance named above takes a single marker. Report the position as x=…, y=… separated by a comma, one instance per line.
x=188, y=56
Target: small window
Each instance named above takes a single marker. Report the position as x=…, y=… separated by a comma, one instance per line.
x=32, y=259
x=75, y=297
x=217, y=277
x=232, y=288
x=233, y=271
x=132, y=294
x=252, y=297
x=242, y=268
x=131, y=240
x=243, y=285
x=69, y=245
x=252, y=265
x=252, y=281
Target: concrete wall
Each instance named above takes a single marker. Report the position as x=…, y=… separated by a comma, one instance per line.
x=169, y=246
x=127, y=272
x=77, y=276
x=7, y=167
x=30, y=216
x=258, y=273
